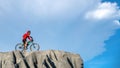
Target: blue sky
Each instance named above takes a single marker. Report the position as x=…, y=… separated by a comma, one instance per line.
x=89, y=28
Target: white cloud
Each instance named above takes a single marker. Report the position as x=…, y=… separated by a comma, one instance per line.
x=102, y=21
x=104, y=10
x=117, y=22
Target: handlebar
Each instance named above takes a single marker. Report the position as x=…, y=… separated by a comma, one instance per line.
x=31, y=39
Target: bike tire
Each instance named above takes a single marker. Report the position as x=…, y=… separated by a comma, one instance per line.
x=34, y=47
x=19, y=47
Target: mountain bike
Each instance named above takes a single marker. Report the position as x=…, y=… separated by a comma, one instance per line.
x=30, y=44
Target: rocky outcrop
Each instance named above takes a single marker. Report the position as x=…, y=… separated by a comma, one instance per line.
x=40, y=59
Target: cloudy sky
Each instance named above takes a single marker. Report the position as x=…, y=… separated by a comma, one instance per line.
x=90, y=28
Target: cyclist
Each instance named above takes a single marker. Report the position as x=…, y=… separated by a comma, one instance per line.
x=25, y=37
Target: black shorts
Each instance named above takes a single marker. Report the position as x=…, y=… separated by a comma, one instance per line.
x=24, y=40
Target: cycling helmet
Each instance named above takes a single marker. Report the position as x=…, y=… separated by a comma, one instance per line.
x=28, y=31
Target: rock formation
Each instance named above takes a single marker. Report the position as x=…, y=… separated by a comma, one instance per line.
x=40, y=59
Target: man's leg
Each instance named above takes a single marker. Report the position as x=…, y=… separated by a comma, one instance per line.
x=25, y=44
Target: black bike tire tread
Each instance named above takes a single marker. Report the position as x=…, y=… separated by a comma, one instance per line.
x=17, y=46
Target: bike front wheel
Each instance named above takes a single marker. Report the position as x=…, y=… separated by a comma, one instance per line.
x=34, y=47
x=19, y=47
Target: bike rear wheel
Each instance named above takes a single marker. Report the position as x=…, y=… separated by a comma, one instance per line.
x=19, y=47
x=34, y=47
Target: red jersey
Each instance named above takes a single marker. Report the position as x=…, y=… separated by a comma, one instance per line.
x=25, y=36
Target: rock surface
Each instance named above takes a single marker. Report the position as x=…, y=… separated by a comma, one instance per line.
x=40, y=59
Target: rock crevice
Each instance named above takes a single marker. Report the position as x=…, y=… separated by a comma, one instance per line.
x=40, y=59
